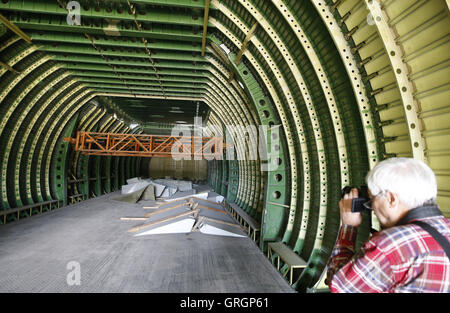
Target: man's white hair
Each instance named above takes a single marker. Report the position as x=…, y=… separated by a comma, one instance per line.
x=413, y=180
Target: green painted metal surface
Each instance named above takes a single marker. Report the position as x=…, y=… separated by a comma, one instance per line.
x=276, y=184
x=318, y=70
x=60, y=164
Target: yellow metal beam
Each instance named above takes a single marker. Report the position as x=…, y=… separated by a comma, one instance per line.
x=245, y=43
x=15, y=29
x=205, y=26
x=9, y=68
x=243, y=47
x=218, y=52
x=404, y=84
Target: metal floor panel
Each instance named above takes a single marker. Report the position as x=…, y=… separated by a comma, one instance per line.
x=34, y=255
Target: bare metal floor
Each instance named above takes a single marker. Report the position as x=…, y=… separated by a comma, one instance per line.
x=35, y=253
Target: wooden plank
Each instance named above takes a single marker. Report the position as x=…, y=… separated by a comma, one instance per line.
x=193, y=205
x=199, y=221
x=169, y=202
x=165, y=210
x=133, y=218
x=200, y=199
x=285, y=253
x=137, y=228
x=222, y=222
x=151, y=207
x=250, y=220
x=212, y=209
x=158, y=204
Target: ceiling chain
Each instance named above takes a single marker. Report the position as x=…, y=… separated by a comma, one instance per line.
x=145, y=42
x=99, y=50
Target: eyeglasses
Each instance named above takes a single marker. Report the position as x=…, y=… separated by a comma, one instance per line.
x=368, y=204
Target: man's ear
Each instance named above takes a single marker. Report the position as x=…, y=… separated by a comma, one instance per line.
x=392, y=198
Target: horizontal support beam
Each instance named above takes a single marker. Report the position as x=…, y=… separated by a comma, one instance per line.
x=115, y=80
x=125, y=95
x=139, y=84
x=196, y=4
x=93, y=143
x=149, y=90
x=109, y=42
x=58, y=24
x=118, y=69
x=166, y=95
x=122, y=52
x=154, y=87
x=131, y=62
x=133, y=77
x=156, y=15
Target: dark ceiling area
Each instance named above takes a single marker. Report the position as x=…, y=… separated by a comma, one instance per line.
x=147, y=111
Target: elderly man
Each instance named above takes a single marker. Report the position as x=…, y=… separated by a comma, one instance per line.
x=406, y=255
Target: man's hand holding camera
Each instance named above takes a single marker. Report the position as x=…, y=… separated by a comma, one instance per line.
x=345, y=206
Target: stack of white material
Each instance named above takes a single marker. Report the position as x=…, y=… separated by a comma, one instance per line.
x=159, y=189
x=134, y=185
x=180, y=185
x=182, y=226
x=188, y=195
x=164, y=188
x=200, y=212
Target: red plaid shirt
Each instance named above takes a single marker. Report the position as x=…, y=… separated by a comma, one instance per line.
x=398, y=259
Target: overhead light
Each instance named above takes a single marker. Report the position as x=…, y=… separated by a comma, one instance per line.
x=133, y=126
x=181, y=122
x=176, y=112
x=156, y=115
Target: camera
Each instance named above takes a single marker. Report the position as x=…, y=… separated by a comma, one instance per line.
x=357, y=203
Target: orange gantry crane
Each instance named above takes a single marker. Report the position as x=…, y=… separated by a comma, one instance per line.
x=92, y=143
